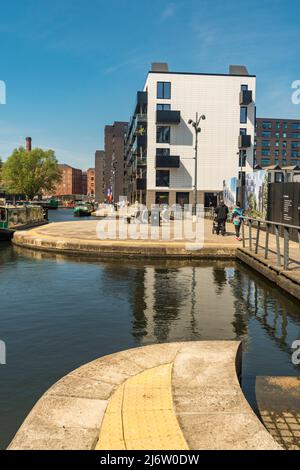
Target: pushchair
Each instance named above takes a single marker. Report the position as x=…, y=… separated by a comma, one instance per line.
x=215, y=224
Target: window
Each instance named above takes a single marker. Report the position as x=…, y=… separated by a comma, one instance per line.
x=163, y=134
x=243, y=115
x=266, y=125
x=296, y=125
x=276, y=153
x=162, y=152
x=284, y=135
x=242, y=158
x=284, y=144
x=277, y=125
x=295, y=145
x=284, y=153
x=294, y=162
x=243, y=131
x=163, y=107
x=285, y=125
x=162, y=178
x=277, y=135
x=162, y=198
x=277, y=143
x=266, y=134
x=296, y=135
x=265, y=143
x=244, y=87
x=284, y=162
x=164, y=90
x=265, y=161
x=265, y=153
x=276, y=161
x=295, y=154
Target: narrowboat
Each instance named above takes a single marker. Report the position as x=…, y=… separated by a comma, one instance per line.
x=13, y=218
x=50, y=204
x=83, y=209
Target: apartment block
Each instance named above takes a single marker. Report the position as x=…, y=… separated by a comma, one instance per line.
x=277, y=142
x=160, y=155
x=114, y=160
x=71, y=181
x=99, y=176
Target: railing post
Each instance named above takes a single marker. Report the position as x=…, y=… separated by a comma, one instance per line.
x=257, y=237
x=243, y=233
x=267, y=241
x=250, y=234
x=278, y=245
x=286, y=257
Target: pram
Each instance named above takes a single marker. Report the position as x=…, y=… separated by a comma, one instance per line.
x=215, y=224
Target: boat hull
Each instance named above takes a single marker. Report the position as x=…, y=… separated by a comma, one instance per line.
x=80, y=213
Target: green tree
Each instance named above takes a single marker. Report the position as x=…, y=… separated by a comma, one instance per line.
x=30, y=173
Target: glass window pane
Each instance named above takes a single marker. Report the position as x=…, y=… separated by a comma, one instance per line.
x=243, y=117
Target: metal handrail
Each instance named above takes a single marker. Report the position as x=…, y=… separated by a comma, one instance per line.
x=276, y=225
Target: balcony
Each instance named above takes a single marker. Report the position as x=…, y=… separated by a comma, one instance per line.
x=141, y=184
x=244, y=141
x=245, y=97
x=141, y=101
x=141, y=141
x=163, y=161
x=168, y=117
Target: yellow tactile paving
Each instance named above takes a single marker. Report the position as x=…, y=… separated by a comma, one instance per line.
x=140, y=414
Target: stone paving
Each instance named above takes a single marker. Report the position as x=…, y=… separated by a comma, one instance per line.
x=174, y=396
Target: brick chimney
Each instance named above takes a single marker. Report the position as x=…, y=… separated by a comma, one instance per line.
x=28, y=144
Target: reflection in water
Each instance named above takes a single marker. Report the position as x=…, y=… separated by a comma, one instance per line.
x=58, y=313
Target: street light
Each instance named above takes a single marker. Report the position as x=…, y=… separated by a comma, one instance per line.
x=197, y=129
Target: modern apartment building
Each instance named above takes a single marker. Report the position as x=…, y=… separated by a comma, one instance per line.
x=114, y=160
x=277, y=142
x=99, y=175
x=71, y=181
x=160, y=163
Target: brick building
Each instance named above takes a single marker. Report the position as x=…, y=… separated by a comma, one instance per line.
x=114, y=164
x=99, y=175
x=71, y=181
x=277, y=142
x=91, y=182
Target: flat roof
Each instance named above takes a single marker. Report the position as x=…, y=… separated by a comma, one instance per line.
x=200, y=73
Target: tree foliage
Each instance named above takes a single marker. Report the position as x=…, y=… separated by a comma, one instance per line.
x=30, y=173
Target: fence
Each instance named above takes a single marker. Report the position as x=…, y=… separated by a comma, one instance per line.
x=268, y=226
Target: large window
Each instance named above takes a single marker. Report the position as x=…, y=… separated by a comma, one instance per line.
x=266, y=134
x=164, y=90
x=160, y=152
x=162, y=178
x=296, y=135
x=265, y=161
x=265, y=143
x=243, y=116
x=295, y=154
x=163, y=107
x=296, y=125
x=295, y=145
x=265, y=153
x=163, y=134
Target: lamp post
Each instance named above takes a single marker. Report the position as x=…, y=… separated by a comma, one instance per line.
x=197, y=129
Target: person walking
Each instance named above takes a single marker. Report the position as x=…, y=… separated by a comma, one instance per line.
x=237, y=219
x=221, y=212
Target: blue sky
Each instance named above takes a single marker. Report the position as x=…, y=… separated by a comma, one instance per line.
x=72, y=66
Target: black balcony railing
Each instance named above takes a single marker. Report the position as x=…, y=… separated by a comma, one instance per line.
x=245, y=97
x=167, y=117
x=244, y=141
x=163, y=161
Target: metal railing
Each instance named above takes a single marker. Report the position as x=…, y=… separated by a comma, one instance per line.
x=266, y=225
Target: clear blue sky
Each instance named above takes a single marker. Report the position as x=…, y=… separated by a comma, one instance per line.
x=72, y=66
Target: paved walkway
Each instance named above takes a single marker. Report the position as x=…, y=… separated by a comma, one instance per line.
x=173, y=396
x=278, y=400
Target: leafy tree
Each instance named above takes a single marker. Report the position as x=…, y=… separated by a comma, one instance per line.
x=30, y=173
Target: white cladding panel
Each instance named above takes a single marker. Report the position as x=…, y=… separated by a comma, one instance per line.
x=217, y=97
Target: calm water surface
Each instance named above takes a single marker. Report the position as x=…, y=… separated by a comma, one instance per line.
x=58, y=313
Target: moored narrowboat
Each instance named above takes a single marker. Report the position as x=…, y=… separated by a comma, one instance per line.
x=13, y=218
x=83, y=209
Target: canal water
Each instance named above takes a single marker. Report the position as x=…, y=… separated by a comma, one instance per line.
x=58, y=313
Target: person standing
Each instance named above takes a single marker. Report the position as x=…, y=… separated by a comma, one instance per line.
x=221, y=212
x=237, y=219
